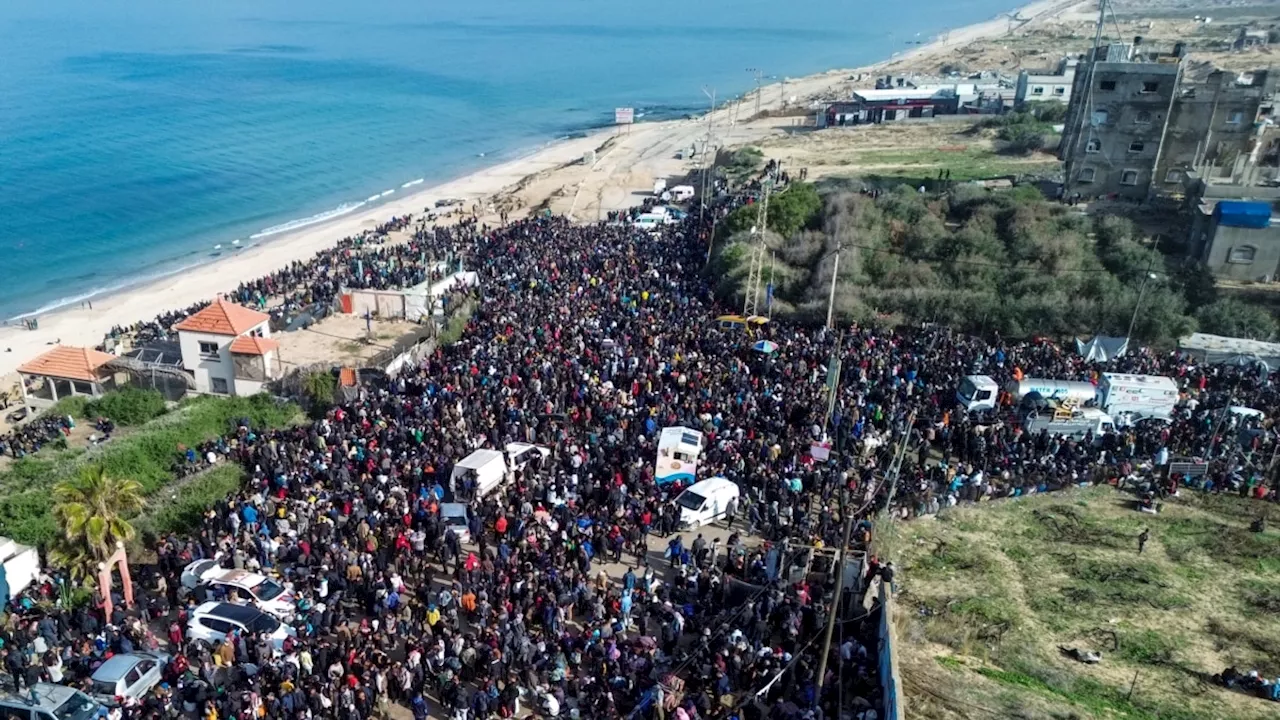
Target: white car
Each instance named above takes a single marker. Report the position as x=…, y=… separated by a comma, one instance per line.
x=455, y=516
x=213, y=621
x=127, y=677
x=260, y=590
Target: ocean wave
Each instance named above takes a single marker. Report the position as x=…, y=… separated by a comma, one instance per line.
x=371, y=198
x=339, y=211
x=411, y=183
x=385, y=193
x=72, y=300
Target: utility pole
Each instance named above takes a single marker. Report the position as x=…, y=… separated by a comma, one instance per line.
x=834, y=370
x=896, y=466
x=836, y=603
x=751, y=302
x=831, y=298
x=706, y=151
x=759, y=75
x=1146, y=277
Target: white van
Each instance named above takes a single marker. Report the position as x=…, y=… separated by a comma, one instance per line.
x=521, y=454
x=680, y=193
x=489, y=468
x=706, y=501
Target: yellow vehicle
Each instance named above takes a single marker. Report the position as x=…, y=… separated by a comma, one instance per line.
x=738, y=322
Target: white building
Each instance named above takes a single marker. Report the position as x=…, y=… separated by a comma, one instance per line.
x=1046, y=85
x=228, y=349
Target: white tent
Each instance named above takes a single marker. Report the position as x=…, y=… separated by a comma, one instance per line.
x=1102, y=348
x=1221, y=350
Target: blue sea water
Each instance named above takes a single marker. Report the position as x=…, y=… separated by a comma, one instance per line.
x=134, y=136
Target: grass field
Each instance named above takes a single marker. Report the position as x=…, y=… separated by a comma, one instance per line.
x=988, y=593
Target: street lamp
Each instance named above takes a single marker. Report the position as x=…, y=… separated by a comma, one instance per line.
x=1138, y=306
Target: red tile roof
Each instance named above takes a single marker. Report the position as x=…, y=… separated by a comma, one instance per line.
x=223, y=318
x=72, y=363
x=251, y=345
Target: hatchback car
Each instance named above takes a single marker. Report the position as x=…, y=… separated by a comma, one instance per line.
x=455, y=516
x=127, y=677
x=212, y=622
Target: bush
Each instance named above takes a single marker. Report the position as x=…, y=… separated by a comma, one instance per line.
x=183, y=509
x=979, y=261
x=147, y=455
x=1022, y=139
x=130, y=406
x=1231, y=317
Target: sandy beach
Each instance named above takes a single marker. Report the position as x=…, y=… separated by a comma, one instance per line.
x=618, y=177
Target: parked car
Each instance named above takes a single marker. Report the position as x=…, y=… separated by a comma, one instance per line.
x=46, y=701
x=454, y=515
x=213, y=621
x=127, y=677
x=259, y=590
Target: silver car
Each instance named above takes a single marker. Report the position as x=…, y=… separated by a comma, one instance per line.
x=127, y=677
x=46, y=701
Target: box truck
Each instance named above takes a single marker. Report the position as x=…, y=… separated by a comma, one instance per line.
x=1134, y=397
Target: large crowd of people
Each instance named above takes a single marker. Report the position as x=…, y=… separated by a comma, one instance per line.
x=565, y=594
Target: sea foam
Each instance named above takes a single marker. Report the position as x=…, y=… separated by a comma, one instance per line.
x=339, y=211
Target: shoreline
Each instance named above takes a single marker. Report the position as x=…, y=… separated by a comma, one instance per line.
x=280, y=231
x=182, y=287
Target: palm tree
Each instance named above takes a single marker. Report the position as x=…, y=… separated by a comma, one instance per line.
x=92, y=508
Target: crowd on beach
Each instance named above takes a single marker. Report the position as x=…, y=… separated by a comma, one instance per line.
x=571, y=590
x=363, y=261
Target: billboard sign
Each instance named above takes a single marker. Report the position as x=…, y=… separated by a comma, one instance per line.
x=624, y=116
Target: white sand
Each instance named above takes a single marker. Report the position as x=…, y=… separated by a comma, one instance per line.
x=618, y=179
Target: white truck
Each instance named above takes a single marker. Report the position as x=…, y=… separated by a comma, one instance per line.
x=980, y=392
x=488, y=468
x=977, y=392
x=1133, y=397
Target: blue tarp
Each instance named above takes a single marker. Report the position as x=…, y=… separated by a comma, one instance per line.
x=1241, y=213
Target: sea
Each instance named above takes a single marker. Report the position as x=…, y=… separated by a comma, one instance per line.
x=137, y=136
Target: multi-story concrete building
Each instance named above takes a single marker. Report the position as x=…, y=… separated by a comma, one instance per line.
x=1135, y=127
x=1114, y=125
x=1048, y=85
x=1215, y=128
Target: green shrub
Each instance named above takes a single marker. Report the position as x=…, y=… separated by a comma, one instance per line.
x=1022, y=139
x=146, y=455
x=130, y=406
x=73, y=406
x=1149, y=647
x=174, y=511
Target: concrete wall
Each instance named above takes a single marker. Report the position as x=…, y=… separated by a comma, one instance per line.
x=1113, y=130
x=221, y=365
x=1054, y=86
x=1211, y=124
x=890, y=677
x=1241, y=253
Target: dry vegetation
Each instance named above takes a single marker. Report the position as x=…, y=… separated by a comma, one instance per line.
x=989, y=594
x=907, y=150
